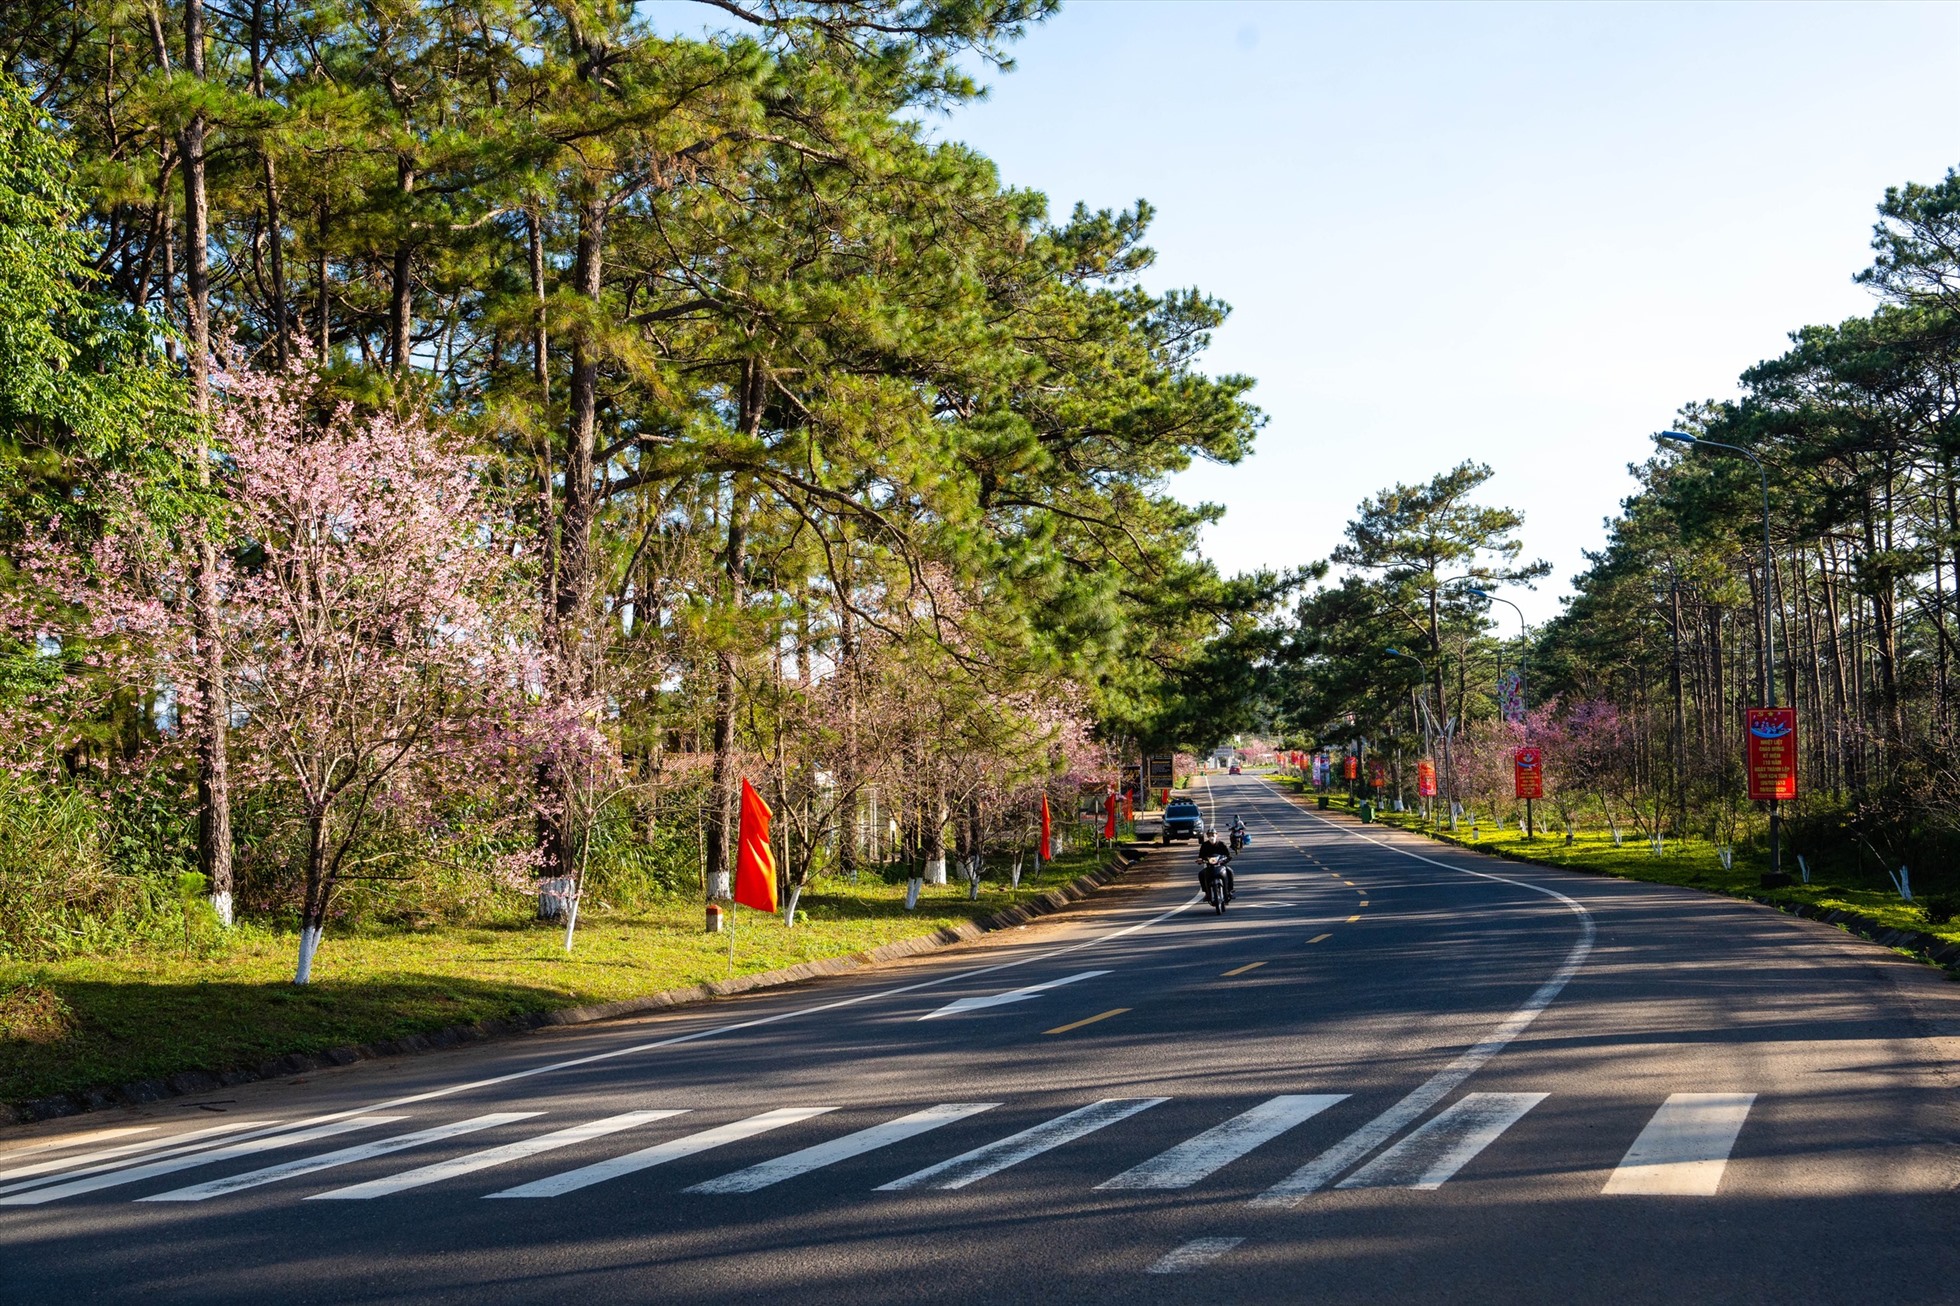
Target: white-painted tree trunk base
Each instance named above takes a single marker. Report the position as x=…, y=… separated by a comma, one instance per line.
x=789, y=914
x=309, y=943
x=718, y=886
x=221, y=904
x=936, y=870
x=912, y=892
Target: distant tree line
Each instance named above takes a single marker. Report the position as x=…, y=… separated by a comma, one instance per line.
x=1644, y=677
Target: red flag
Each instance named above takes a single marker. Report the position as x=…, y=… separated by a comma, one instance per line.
x=1047, y=830
x=1109, y=822
x=755, y=865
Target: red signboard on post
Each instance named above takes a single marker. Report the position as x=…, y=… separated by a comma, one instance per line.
x=1425, y=779
x=1772, y=753
x=1529, y=769
x=1352, y=766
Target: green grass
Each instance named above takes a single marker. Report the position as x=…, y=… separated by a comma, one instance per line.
x=1692, y=863
x=83, y=1023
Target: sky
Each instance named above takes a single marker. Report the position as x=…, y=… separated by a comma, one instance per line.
x=1520, y=234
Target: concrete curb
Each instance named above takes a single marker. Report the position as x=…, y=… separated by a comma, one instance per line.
x=1929, y=948
x=191, y=1082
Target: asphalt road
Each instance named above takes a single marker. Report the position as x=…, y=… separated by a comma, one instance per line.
x=1389, y=1072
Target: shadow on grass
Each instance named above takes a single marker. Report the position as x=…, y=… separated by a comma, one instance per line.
x=124, y=1031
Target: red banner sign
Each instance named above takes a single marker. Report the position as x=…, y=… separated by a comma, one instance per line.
x=1352, y=767
x=1529, y=769
x=1772, y=752
x=1378, y=775
x=1426, y=778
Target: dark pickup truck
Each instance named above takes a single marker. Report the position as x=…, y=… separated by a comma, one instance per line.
x=1181, y=820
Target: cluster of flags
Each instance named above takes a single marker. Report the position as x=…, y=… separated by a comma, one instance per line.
x=755, y=860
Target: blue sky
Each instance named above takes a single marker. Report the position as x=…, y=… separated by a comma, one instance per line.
x=1520, y=234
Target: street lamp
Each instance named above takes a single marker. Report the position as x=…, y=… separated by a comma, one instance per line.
x=1769, y=616
x=1524, y=657
x=1449, y=765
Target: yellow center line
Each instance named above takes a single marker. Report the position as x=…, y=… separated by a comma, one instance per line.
x=1318, y=937
x=1364, y=902
x=1243, y=969
x=1063, y=1029
x=1352, y=919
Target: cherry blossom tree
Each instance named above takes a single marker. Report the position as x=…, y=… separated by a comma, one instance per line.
x=374, y=622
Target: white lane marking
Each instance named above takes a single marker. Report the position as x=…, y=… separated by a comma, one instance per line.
x=1427, y=1158
x=306, y=1165
x=970, y=1167
x=1329, y=1165
x=1684, y=1148
x=60, y=1141
x=1195, y=1158
x=1012, y=995
x=457, y=1166
x=841, y=1149
x=660, y=1153
x=203, y=1156
x=758, y=1022
x=1196, y=1254
x=109, y=1158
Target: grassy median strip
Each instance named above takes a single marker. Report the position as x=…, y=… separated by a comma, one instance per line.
x=81, y=1023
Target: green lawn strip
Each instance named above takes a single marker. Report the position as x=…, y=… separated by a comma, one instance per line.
x=82, y=1023
x=1691, y=864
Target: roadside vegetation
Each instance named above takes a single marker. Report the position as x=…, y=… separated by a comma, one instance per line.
x=1688, y=863
x=446, y=450
x=213, y=999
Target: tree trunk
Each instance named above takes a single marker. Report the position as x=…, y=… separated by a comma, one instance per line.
x=213, y=772
x=571, y=580
x=313, y=906
x=401, y=302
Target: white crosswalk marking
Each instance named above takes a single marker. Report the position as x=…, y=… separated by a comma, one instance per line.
x=109, y=1158
x=970, y=1167
x=184, y=1161
x=1428, y=1157
x=1685, y=1148
x=1193, y=1255
x=306, y=1165
x=660, y=1153
x=1195, y=1158
x=457, y=1166
x=61, y=1142
x=841, y=1149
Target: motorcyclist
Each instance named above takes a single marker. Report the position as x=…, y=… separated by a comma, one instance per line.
x=1238, y=832
x=1209, y=847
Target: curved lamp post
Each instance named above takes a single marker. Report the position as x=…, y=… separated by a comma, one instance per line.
x=1769, y=615
x=1449, y=765
x=1524, y=704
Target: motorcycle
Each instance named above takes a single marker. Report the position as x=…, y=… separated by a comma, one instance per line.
x=1214, y=884
x=1239, y=840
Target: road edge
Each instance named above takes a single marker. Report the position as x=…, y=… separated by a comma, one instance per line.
x=191, y=1082
x=1928, y=949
